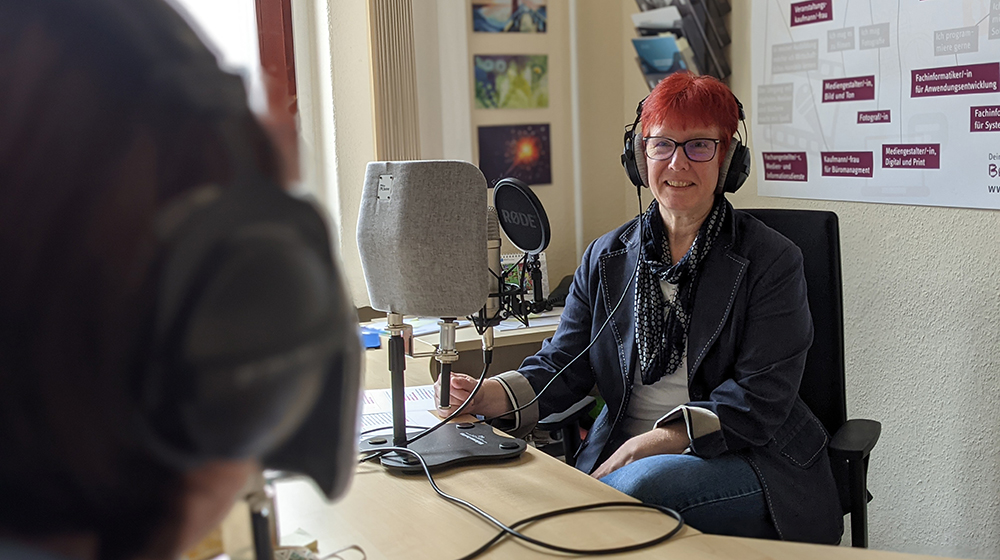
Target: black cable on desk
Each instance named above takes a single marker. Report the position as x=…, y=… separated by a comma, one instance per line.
x=380, y=428
x=511, y=530
x=587, y=507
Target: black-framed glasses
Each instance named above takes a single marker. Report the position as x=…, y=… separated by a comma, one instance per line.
x=696, y=149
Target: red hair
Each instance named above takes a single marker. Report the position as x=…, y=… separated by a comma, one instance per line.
x=683, y=99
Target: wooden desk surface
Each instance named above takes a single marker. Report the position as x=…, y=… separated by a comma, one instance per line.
x=399, y=516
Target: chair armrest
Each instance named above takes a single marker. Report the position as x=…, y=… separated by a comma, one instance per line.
x=855, y=439
x=568, y=417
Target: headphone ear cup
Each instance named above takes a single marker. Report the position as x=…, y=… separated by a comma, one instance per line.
x=245, y=365
x=633, y=162
x=640, y=162
x=735, y=168
x=250, y=314
x=629, y=160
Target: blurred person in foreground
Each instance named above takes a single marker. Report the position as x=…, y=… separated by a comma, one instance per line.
x=118, y=135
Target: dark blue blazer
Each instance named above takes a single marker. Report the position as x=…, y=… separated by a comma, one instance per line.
x=747, y=343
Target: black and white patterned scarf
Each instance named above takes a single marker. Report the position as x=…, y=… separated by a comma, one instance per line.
x=661, y=326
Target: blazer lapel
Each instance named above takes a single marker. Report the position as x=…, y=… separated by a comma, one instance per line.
x=616, y=279
x=719, y=277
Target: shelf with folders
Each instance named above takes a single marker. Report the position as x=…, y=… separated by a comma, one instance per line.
x=676, y=35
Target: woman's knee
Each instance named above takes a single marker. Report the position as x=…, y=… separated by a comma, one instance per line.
x=650, y=478
x=720, y=496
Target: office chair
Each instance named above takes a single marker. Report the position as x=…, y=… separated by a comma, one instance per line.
x=817, y=234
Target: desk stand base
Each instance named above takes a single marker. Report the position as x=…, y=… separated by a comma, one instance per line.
x=451, y=444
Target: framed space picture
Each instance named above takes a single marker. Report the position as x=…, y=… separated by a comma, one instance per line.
x=509, y=16
x=519, y=151
x=512, y=81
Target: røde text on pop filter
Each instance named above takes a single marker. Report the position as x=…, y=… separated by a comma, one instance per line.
x=521, y=215
x=421, y=236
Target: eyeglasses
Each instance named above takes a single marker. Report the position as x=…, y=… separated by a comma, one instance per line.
x=696, y=149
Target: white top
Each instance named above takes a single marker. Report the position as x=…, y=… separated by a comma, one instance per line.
x=645, y=409
x=649, y=403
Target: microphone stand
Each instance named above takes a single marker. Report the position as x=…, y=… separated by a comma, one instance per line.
x=260, y=499
x=446, y=355
x=514, y=303
x=452, y=443
x=534, y=267
x=397, y=378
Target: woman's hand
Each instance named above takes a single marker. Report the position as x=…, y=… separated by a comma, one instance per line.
x=490, y=401
x=669, y=439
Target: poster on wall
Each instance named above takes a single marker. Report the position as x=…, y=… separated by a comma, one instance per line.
x=519, y=151
x=888, y=101
x=512, y=81
x=509, y=16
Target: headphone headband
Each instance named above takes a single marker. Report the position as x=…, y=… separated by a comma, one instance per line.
x=733, y=173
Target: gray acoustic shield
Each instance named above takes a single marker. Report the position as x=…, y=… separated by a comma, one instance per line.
x=422, y=237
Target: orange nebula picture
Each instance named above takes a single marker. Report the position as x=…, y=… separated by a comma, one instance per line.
x=519, y=151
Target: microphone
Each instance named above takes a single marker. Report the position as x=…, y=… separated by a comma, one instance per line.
x=491, y=314
x=523, y=219
x=493, y=308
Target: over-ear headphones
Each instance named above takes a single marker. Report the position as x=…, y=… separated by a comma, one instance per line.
x=732, y=174
x=252, y=326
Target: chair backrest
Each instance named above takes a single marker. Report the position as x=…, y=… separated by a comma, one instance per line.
x=818, y=236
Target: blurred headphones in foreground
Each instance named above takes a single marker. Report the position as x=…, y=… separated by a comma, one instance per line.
x=733, y=173
x=255, y=348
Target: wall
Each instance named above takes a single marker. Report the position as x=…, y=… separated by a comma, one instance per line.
x=608, y=197
x=922, y=305
x=445, y=45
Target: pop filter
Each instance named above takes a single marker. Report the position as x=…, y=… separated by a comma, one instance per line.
x=521, y=215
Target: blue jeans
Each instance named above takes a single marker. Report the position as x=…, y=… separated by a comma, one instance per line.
x=720, y=496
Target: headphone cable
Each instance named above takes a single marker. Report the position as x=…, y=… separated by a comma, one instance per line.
x=638, y=192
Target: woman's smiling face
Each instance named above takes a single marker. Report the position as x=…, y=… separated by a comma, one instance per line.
x=682, y=186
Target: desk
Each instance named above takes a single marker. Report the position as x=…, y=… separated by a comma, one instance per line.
x=394, y=516
x=399, y=516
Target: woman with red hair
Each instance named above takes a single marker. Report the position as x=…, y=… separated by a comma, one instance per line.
x=692, y=322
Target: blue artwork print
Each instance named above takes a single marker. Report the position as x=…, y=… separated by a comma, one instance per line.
x=509, y=16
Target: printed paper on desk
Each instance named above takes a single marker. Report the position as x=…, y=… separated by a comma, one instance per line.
x=377, y=410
